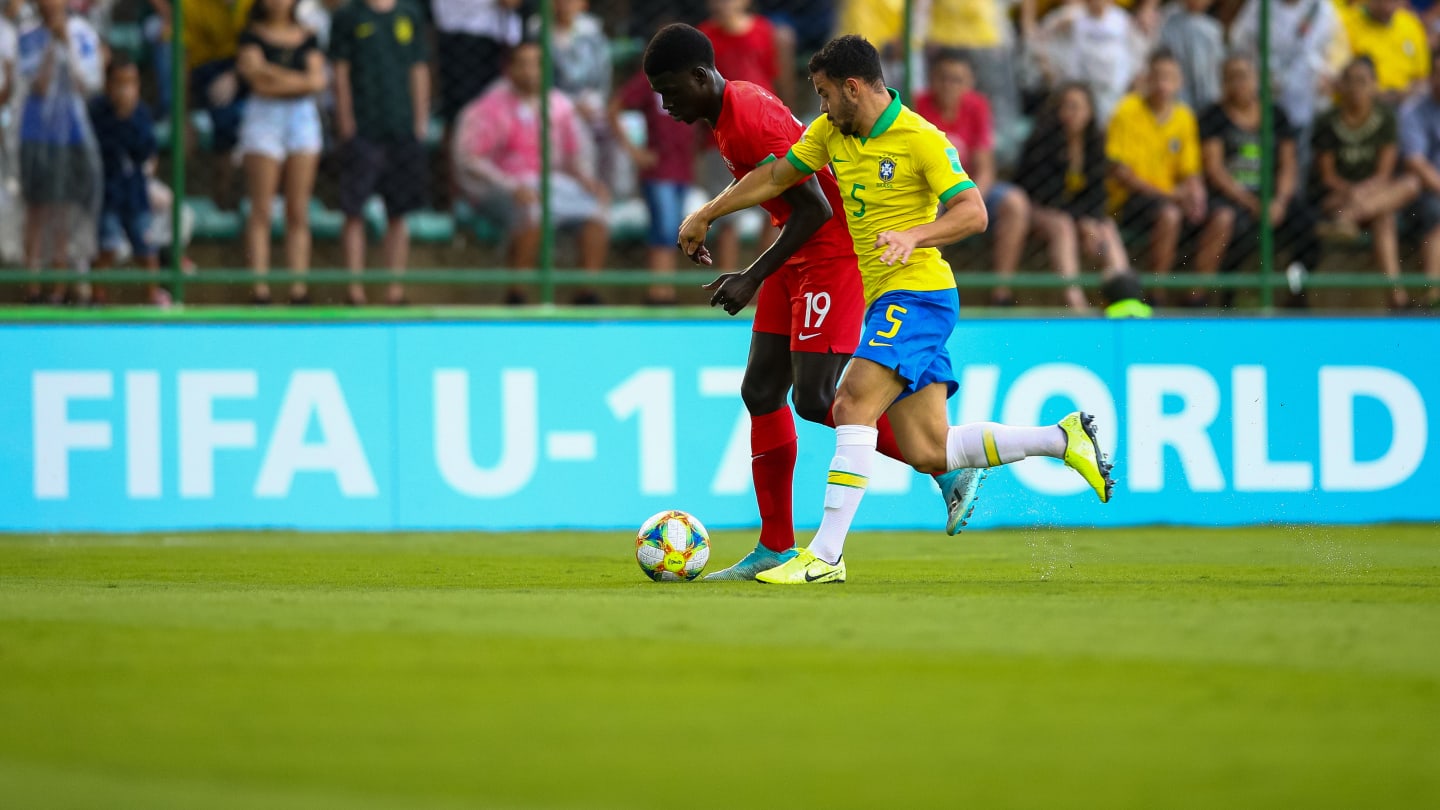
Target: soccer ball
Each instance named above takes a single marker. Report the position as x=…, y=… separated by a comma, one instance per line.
x=672, y=546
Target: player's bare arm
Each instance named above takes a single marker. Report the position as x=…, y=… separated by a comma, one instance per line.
x=964, y=216
x=809, y=210
x=761, y=184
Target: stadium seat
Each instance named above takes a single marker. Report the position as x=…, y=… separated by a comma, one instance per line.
x=482, y=228
x=127, y=38
x=213, y=224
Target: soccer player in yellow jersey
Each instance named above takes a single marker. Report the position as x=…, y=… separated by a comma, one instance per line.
x=894, y=170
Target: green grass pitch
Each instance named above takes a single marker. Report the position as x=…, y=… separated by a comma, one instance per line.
x=1154, y=668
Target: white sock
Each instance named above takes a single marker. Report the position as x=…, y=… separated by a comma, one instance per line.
x=988, y=444
x=849, y=475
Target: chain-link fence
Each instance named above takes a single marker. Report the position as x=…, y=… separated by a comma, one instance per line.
x=384, y=151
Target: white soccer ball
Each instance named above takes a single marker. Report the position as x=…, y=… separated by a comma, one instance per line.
x=672, y=546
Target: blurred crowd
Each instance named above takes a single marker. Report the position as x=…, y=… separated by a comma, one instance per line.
x=1121, y=136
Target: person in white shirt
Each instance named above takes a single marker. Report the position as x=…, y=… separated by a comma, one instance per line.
x=1095, y=43
x=60, y=175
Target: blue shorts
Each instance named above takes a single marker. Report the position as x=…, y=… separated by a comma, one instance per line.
x=666, y=202
x=117, y=228
x=907, y=331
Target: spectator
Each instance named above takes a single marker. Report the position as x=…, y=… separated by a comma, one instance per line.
x=883, y=23
x=159, y=35
x=126, y=137
x=953, y=105
x=749, y=48
x=10, y=213
x=497, y=163
x=1154, y=144
x=282, y=62
x=1198, y=42
x=1093, y=42
x=1420, y=146
x=980, y=30
x=59, y=163
x=382, y=109
x=1230, y=146
x=1394, y=40
x=666, y=163
x=1355, y=184
x=471, y=37
x=1302, y=33
x=1063, y=168
x=212, y=32
x=580, y=52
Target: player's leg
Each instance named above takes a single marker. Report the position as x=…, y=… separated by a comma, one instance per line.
x=772, y=431
x=865, y=391
x=925, y=437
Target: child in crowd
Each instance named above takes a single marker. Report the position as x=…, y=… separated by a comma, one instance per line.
x=126, y=138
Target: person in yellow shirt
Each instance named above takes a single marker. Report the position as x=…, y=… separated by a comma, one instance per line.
x=895, y=170
x=1394, y=39
x=1157, y=186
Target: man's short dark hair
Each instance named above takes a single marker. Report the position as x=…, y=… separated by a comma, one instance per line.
x=1162, y=54
x=849, y=57
x=952, y=56
x=678, y=47
x=118, y=62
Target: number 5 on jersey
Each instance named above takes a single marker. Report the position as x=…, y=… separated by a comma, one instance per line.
x=895, y=324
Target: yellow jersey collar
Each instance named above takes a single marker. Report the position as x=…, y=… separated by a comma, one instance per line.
x=887, y=118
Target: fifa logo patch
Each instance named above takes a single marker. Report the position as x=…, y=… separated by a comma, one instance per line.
x=887, y=169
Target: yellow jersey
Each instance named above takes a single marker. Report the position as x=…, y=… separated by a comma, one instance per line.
x=1399, y=48
x=891, y=181
x=1162, y=153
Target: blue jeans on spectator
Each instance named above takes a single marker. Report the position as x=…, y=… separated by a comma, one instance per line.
x=117, y=227
x=666, y=201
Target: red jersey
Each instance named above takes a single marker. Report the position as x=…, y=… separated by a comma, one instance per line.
x=754, y=128
x=969, y=131
x=748, y=57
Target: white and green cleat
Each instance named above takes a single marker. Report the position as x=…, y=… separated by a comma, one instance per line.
x=757, y=561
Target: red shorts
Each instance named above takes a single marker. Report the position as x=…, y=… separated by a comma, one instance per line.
x=819, y=304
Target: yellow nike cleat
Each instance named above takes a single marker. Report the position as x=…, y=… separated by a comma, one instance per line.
x=1082, y=454
x=804, y=569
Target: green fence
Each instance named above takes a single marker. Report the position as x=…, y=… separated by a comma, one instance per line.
x=919, y=41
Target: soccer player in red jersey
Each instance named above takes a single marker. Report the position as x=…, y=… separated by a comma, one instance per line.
x=810, y=305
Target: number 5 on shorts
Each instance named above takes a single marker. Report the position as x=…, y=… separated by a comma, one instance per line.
x=895, y=324
x=894, y=321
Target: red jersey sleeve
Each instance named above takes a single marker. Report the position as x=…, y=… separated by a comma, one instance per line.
x=759, y=128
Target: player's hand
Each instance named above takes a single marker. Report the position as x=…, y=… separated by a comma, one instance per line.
x=692, y=234
x=702, y=257
x=732, y=291
x=898, y=246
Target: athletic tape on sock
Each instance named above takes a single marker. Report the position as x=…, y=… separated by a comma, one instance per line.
x=840, y=480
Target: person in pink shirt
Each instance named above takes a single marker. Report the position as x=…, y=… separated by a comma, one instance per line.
x=954, y=106
x=497, y=167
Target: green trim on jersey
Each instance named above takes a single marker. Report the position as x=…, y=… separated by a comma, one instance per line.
x=955, y=189
x=887, y=118
x=798, y=163
x=768, y=159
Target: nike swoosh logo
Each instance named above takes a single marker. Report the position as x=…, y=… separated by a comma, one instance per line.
x=807, y=337
x=809, y=578
x=839, y=160
x=873, y=343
